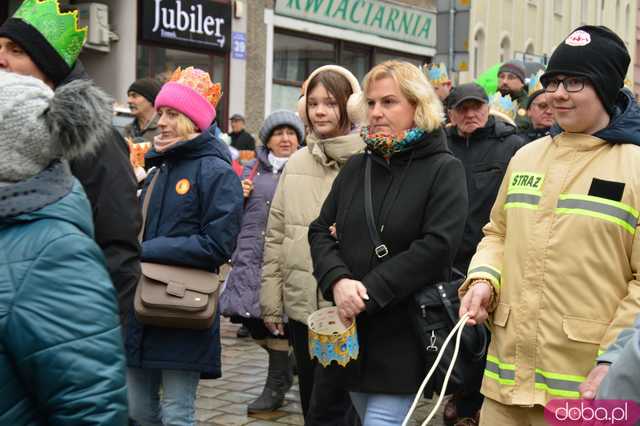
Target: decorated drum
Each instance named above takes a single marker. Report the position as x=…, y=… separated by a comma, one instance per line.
x=330, y=340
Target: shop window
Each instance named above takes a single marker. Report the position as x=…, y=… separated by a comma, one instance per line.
x=154, y=61
x=383, y=55
x=285, y=97
x=295, y=57
x=356, y=59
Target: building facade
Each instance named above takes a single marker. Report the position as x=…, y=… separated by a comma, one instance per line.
x=259, y=50
x=288, y=39
x=500, y=30
x=262, y=50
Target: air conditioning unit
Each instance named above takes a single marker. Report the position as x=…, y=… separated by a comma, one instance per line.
x=95, y=16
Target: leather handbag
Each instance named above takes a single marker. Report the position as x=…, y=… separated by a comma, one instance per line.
x=174, y=296
x=434, y=313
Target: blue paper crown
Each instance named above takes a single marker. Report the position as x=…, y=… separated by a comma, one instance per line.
x=436, y=74
x=503, y=105
x=534, y=82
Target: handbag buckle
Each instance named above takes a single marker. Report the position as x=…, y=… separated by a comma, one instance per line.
x=381, y=251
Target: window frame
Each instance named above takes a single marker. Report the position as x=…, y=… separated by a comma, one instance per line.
x=339, y=47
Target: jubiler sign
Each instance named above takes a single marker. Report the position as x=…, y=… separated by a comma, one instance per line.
x=389, y=20
x=195, y=24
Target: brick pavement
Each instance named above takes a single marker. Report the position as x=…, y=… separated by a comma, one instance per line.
x=244, y=365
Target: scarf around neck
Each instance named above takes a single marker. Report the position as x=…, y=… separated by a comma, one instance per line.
x=386, y=145
x=277, y=163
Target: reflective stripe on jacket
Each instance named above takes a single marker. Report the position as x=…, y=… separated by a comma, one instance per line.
x=562, y=250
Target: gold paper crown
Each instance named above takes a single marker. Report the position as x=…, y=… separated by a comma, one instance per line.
x=59, y=29
x=534, y=82
x=199, y=81
x=436, y=74
x=503, y=107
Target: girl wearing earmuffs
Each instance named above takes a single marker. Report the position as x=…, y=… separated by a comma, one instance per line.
x=289, y=290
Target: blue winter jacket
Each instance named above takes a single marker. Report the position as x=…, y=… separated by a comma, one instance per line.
x=61, y=354
x=193, y=220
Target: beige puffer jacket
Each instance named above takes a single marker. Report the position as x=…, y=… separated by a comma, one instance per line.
x=562, y=251
x=288, y=285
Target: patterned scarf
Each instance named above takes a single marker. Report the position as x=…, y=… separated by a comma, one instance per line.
x=386, y=145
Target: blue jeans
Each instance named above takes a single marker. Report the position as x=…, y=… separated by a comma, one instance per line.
x=177, y=407
x=376, y=409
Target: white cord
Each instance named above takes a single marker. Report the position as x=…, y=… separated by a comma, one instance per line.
x=457, y=329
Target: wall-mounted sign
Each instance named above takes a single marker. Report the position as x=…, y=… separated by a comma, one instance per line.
x=194, y=24
x=389, y=20
x=238, y=45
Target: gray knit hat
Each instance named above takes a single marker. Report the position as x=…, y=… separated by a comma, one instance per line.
x=515, y=67
x=38, y=125
x=281, y=118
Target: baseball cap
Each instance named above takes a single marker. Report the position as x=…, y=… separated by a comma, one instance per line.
x=465, y=92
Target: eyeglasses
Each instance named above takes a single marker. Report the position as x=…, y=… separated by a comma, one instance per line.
x=571, y=84
x=542, y=106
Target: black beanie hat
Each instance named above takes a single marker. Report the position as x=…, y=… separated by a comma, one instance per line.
x=37, y=47
x=532, y=97
x=147, y=87
x=594, y=52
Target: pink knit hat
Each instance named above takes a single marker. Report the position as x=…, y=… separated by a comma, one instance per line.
x=192, y=93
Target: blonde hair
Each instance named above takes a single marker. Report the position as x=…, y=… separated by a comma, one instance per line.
x=414, y=86
x=185, y=127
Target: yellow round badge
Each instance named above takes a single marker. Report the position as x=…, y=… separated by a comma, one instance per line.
x=183, y=186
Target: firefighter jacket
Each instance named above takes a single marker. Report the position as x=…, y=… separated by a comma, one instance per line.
x=562, y=250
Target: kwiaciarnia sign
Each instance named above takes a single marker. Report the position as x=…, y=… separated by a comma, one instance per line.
x=389, y=20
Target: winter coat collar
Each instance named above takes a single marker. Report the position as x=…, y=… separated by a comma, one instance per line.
x=52, y=194
x=431, y=143
x=150, y=127
x=624, y=126
x=204, y=145
x=33, y=194
x=262, y=156
x=235, y=134
x=77, y=73
x=334, y=152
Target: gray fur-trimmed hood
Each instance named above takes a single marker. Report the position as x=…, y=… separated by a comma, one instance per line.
x=38, y=125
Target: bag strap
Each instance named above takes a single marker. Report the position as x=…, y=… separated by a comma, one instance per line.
x=380, y=249
x=145, y=204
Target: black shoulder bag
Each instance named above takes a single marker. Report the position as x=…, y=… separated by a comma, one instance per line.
x=434, y=313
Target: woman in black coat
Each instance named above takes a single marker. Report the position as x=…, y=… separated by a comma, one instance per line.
x=419, y=202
